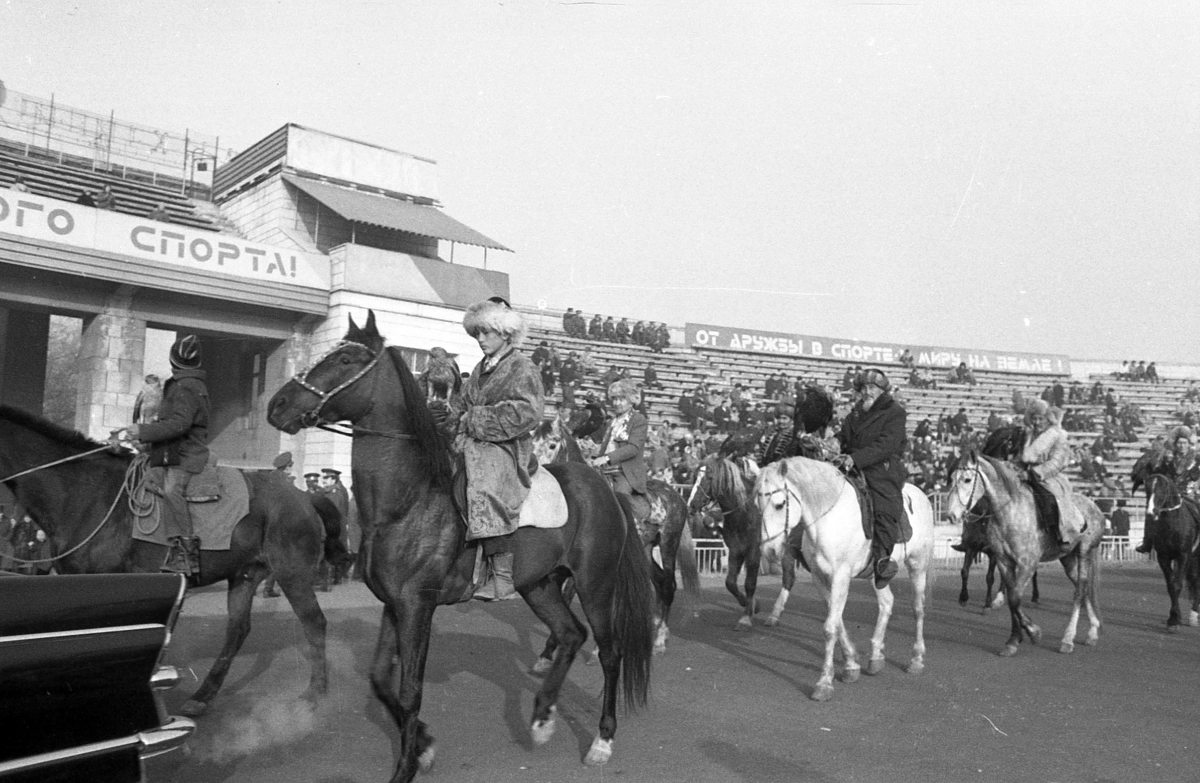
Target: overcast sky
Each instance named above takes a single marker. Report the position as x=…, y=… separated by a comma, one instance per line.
x=1011, y=176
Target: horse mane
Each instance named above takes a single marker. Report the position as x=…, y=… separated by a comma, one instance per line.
x=48, y=429
x=420, y=423
x=726, y=480
x=1008, y=477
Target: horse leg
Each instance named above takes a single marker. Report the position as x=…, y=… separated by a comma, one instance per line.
x=838, y=591
x=238, y=601
x=963, y=595
x=993, y=597
x=737, y=558
x=298, y=589
x=788, y=566
x=886, y=600
x=919, y=580
x=397, y=675
x=1036, y=596
x=1009, y=584
x=1072, y=564
x=548, y=603
x=1091, y=573
x=1174, y=578
x=546, y=659
x=753, y=561
x=664, y=590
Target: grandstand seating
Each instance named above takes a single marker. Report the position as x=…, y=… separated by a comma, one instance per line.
x=47, y=176
x=681, y=368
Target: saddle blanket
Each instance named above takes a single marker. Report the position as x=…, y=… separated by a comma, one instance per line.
x=545, y=506
x=213, y=521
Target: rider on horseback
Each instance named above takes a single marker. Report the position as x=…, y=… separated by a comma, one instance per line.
x=493, y=421
x=179, y=446
x=872, y=440
x=623, y=445
x=778, y=442
x=1182, y=466
x=1045, y=455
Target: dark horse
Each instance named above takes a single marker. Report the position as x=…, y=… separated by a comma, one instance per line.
x=1175, y=534
x=720, y=481
x=1003, y=443
x=667, y=529
x=84, y=507
x=417, y=557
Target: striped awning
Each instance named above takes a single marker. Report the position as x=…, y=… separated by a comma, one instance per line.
x=376, y=210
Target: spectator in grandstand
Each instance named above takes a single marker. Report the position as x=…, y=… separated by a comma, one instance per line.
x=568, y=371
x=106, y=199
x=923, y=429
x=19, y=184
x=721, y=415
x=1075, y=393
x=610, y=376
x=541, y=354
x=1152, y=373
x=549, y=376
x=596, y=327
x=568, y=321
x=1138, y=371
x=770, y=385
x=1096, y=395
x=995, y=421
x=650, y=377
x=906, y=359
x=587, y=362
x=637, y=335
x=958, y=423
x=86, y=198
x=159, y=213
x=962, y=374
x=608, y=330
x=848, y=377
x=621, y=332
x=1111, y=399
x=1058, y=395
x=1193, y=392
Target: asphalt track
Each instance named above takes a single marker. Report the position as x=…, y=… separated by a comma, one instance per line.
x=726, y=706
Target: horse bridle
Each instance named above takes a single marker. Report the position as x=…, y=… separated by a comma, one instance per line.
x=312, y=417
x=966, y=504
x=1150, y=496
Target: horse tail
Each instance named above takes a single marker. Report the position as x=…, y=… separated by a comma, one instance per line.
x=633, y=612
x=686, y=558
x=336, y=552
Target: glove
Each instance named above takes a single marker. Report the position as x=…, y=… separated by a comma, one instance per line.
x=844, y=462
x=440, y=414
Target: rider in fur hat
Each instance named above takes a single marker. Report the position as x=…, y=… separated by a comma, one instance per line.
x=872, y=441
x=1182, y=465
x=1045, y=455
x=493, y=422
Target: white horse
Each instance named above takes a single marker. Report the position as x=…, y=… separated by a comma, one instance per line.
x=1019, y=544
x=810, y=507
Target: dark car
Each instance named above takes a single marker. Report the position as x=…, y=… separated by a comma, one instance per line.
x=80, y=670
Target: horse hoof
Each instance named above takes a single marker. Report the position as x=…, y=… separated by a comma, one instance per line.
x=1008, y=651
x=1066, y=648
x=542, y=665
x=916, y=667
x=851, y=674
x=771, y=622
x=425, y=759
x=659, y=648
x=874, y=666
x=743, y=624
x=822, y=693
x=1194, y=619
x=543, y=730
x=1035, y=634
x=1172, y=629
x=599, y=754
x=1092, y=639
x=962, y=601
x=194, y=709
x=986, y=610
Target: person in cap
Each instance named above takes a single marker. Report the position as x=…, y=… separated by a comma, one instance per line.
x=623, y=445
x=1183, y=467
x=1045, y=454
x=178, y=442
x=778, y=441
x=872, y=440
x=493, y=420
x=312, y=483
x=283, y=464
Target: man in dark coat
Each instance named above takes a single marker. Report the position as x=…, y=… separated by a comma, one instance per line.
x=179, y=443
x=872, y=441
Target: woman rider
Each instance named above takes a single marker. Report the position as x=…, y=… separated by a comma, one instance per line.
x=493, y=420
x=1045, y=456
x=621, y=448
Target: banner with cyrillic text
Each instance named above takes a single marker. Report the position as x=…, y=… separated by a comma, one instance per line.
x=37, y=217
x=865, y=353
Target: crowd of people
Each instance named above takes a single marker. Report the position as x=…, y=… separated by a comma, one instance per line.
x=1138, y=371
x=654, y=335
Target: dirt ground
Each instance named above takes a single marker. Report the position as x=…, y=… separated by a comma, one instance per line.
x=726, y=705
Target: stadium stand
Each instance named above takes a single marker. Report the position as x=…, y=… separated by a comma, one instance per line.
x=66, y=179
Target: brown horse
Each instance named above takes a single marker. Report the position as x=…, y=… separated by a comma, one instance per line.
x=720, y=481
x=667, y=529
x=417, y=556
x=84, y=507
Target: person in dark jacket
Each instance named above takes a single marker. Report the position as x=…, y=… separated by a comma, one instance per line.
x=872, y=440
x=179, y=444
x=623, y=445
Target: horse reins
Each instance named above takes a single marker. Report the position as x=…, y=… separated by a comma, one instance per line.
x=312, y=418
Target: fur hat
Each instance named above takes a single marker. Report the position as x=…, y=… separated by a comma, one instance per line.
x=786, y=407
x=496, y=315
x=186, y=353
x=874, y=378
x=1035, y=405
x=1181, y=432
x=623, y=389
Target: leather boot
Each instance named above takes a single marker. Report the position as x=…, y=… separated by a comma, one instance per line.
x=959, y=548
x=1146, y=547
x=183, y=557
x=502, y=573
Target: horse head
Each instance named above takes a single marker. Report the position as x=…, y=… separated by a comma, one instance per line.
x=329, y=390
x=968, y=485
x=1162, y=494
x=1147, y=465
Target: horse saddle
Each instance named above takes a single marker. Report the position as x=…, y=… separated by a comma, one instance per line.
x=216, y=504
x=545, y=506
x=867, y=505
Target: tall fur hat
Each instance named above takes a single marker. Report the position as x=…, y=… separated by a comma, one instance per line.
x=874, y=378
x=1036, y=405
x=497, y=315
x=1181, y=432
x=814, y=407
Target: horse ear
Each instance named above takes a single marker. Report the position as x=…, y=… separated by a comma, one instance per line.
x=353, y=332
x=370, y=330
x=783, y=467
